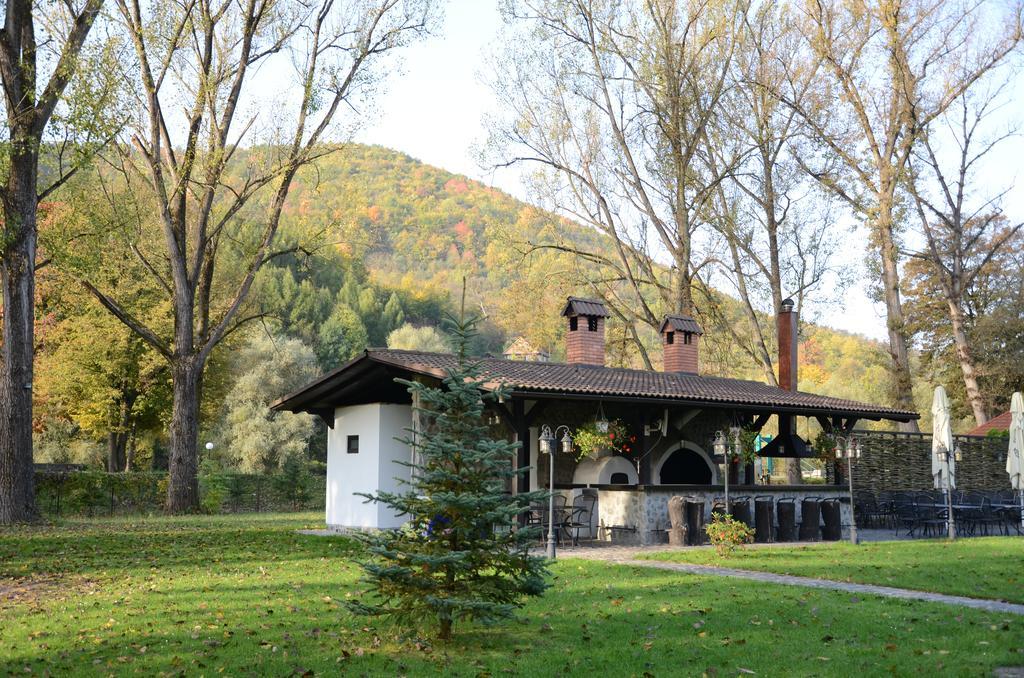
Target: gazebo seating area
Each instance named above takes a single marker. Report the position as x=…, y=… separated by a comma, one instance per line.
x=925, y=513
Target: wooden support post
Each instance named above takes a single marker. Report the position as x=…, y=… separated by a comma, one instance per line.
x=522, y=430
x=640, y=431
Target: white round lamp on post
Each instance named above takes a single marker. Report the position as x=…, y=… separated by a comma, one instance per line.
x=546, y=444
x=849, y=448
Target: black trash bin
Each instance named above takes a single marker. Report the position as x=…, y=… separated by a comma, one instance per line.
x=831, y=515
x=694, y=522
x=810, y=519
x=764, y=517
x=786, y=509
x=741, y=510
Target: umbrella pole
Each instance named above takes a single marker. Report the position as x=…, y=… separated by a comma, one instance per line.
x=949, y=513
x=1022, y=509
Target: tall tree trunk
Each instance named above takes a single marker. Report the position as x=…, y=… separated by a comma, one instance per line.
x=17, y=275
x=899, y=354
x=183, y=482
x=966, y=358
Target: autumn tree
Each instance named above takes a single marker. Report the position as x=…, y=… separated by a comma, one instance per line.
x=265, y=368
x=888, y=69
x=196, y=72
x=614, y=105
x=961, y=216
x=775, y=233
x=49, y=109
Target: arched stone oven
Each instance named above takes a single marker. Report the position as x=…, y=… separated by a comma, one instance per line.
x=685, y=464
x=605, y=471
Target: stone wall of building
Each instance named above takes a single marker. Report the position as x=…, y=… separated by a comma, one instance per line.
x=640, y=516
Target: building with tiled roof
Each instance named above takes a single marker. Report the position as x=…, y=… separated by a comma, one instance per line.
x=1000, y=423
x=671, y=414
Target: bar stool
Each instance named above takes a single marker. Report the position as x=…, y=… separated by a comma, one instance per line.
x=764, y=517
x=831, y=516
x=786, y=510
x=810, y=520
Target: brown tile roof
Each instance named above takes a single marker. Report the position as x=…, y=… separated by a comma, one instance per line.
x=539, y=378
x=588, y=307
x=680, y=323
x=1000, y=423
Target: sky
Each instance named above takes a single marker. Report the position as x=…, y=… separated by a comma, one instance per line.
x=433, y=109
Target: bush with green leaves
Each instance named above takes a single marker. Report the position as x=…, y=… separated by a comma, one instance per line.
x=459, y=556
x=292, y=483
x=726, y=533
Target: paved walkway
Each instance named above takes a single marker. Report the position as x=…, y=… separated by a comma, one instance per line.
x=624, y=555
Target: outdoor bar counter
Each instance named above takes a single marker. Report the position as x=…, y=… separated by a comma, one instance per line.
x=638, y=514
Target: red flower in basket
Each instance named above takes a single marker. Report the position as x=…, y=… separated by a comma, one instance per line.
x=611, y=436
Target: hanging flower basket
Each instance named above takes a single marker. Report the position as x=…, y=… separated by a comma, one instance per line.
x=602, y=439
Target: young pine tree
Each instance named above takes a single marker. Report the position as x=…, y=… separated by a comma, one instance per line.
x=459, y=557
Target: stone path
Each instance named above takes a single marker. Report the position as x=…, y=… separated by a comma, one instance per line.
x=623, y=555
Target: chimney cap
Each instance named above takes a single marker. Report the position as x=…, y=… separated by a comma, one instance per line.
x=585, y=307
x=787, y=305
x=680, y=323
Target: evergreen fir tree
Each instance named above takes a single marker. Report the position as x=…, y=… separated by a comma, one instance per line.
x=460, y=556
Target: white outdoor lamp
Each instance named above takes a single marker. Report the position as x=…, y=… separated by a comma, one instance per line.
x=209, y=446
x=546, y=445
x=724, y=447
x=849, y=449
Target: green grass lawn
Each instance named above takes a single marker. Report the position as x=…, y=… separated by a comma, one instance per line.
x=986, y=567
x=247, y=596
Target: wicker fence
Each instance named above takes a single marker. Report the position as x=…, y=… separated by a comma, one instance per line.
x=96, y=493
x=902, y=461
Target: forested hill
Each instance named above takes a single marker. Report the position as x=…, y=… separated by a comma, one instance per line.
x=419, y=229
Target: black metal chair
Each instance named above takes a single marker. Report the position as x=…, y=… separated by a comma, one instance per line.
x=580, y=517
x=540, y=516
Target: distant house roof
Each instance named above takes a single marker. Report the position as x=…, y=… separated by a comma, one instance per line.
x=1000, y=423
x=521, y=349
x=586, y=307
x=680, y=323
x=370, y=378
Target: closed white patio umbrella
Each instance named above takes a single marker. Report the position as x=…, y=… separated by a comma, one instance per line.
x=1015, y=453
x=943, y=461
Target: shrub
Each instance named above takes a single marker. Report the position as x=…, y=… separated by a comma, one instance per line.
x=726, y=533
x=213, y=491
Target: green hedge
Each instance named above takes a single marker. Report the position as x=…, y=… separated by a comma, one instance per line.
x=97, y=493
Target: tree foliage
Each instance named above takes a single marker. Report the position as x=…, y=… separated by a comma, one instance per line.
x=254, y=438
x=458, y=557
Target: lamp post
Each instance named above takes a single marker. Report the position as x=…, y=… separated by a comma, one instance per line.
x=546, y=443
x=727, y=449
x=848, y=448
x=944, y=458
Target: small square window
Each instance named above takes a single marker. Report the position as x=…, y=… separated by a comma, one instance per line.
x=353, y=445
x=592, y=324
x=687, y=338
x=574, y=323
x=670, y=337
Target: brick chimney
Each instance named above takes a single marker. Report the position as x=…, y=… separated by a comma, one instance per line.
x=584, y=337
x=680, y=338
x=786, y=325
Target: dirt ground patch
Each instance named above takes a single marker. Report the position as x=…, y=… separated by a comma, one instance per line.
x=37, y=589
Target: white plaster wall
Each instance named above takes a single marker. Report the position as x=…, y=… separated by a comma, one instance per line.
x=394, y=420
x=534, y=480
x=369, y=471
